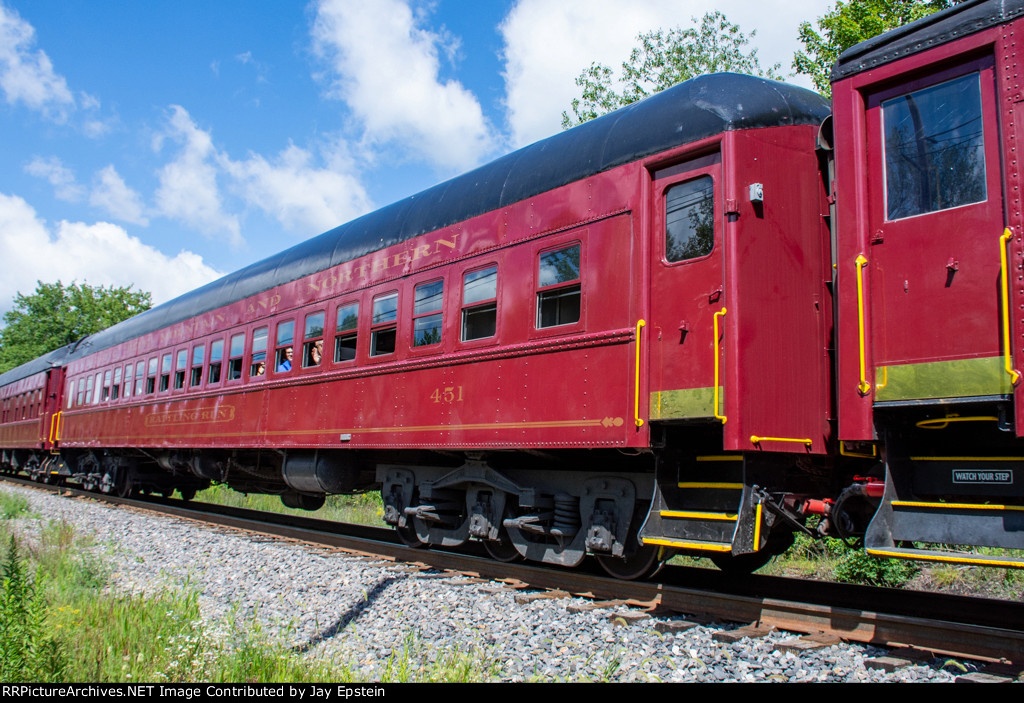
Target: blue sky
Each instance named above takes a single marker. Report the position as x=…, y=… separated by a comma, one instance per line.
x=164, y=144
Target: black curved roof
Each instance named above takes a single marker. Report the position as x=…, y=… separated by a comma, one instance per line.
x=942, y=27
x=690, y=111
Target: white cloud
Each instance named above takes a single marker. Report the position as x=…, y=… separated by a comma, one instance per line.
x=304, y=199
x=100, y=253
x=188, y=189
x=386, y=67
x=27, y=76
x=112, y=194
x=60, y=177
x=548, y=44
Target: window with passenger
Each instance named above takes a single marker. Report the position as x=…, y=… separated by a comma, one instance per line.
x=313, y=340
x=558, y=282
x=258, y=362
x=284, y=350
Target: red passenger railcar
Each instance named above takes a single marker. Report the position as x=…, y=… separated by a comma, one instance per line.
x=928, y=267
x=669, y=329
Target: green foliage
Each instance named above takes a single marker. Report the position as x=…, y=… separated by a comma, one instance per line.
x=850, y=23
x=56, y=315
x=662, y=59
x=28, y=650
x=12, y=505
x=858, y=567
x=418, y=662
x=361, y=509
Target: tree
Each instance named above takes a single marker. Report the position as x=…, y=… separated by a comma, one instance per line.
x=663, y=59
x=56, y=315
x=850, y=23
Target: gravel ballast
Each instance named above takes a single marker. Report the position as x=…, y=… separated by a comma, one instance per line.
x=363, y=611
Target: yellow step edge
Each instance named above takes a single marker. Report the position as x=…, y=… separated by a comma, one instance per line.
x=953, y=506
x=697, y=546
x=704, y=484
x=947, y=559
x=693, y=515
x=721, y=457
x=967, y=458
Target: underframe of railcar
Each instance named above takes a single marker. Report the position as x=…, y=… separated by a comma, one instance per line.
x=632, y=508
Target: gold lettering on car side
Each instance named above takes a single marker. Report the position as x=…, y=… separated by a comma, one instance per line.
x=207, y=415
x=263, y=304
x=327, y=282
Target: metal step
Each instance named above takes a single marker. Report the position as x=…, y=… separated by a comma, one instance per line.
x=698, y=504
x=950, y=501
x=947, y=557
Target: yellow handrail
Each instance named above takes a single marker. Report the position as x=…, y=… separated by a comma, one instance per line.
x=754, y=439
x=55, y=426
x=843, y=451
x=941, y=423
x=1004, y=276
x=863, y=386
x=636, y=389
x=721, y=313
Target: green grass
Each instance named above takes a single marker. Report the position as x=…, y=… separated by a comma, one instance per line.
x=362, y=509
x=59, y=623
x=12, y=505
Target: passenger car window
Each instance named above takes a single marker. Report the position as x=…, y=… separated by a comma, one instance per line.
x=165, y=372
x=151, y=376
x=689, y=219
x=558, y=297
x=198, y=356
x=345, y=339
x=180, y=366
x=480, y=303
x=216, y=358
x=934, y=148
x=313, y=346
x=258, y=363
x=235, y=353
x=427, y=316
x=384, y=330
x=284, y=350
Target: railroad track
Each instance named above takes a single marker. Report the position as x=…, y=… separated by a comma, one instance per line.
x=959, y=626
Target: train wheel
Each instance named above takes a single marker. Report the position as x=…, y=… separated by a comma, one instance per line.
x=640, y=564
x=187, y=494
x=503, y=550
x=126, y=484
x=409, y=537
